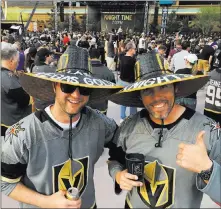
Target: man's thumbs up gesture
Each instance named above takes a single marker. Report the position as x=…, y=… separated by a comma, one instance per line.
x=194, y=157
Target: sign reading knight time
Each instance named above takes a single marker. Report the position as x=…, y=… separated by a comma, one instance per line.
x=118, y=18
x=115, y=20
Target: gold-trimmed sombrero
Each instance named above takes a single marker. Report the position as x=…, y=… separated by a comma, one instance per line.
x=153, y=75
x=73, y=70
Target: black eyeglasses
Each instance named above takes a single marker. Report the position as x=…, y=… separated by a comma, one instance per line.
x=69, y=89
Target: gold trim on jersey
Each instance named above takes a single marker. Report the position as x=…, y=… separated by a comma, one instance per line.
x=212, y=111
x=4, y=125
x=103, y=111
x=11, y=181
x=128, y=202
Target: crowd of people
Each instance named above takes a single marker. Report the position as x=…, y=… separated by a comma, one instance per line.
x=55, y=93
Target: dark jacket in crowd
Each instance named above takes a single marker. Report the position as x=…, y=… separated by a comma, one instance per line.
x=14, y=100
x=83, y=44
x=102, y=72
x=126, y=67
x=43, y=68
x=40, y=105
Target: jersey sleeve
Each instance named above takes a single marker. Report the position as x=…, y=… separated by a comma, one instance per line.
x=117, y=151
x=14, y=157
x=109, y=125
x=213, y=143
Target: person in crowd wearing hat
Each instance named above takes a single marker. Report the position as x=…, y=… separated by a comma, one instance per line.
x=127, y=74
x=15, y=102
x=213, y=95
x=102, y=72
x=54, y=149
x=181, y=147
x=191, y=100
x=178, y=61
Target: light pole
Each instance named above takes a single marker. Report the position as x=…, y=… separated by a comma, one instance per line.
x=164, y=19
x=55, y=16
x=70, y=16
x=146, y=14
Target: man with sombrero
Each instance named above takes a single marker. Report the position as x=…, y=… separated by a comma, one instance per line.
x=46, y=153
x=181, y=147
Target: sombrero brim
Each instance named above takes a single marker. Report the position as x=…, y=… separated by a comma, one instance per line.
x=186, y=85
x=40, y=85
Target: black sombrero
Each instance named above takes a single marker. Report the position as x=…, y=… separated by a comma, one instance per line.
x=73, y=70
x=185, y=84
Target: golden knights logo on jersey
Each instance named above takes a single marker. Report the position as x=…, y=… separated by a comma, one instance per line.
x=72, y=173
x=158, y=188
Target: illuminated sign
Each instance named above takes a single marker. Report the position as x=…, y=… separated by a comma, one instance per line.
x=125, y=21
x=118, y=17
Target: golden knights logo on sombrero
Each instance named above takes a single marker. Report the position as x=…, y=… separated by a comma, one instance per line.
x=72, y=173
x=158, y=188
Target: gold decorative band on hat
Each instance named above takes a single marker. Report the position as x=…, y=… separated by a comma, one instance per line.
x=160, y=63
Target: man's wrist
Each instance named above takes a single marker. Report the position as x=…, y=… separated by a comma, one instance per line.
x=43, y=201
x=206, y=173
x=117, y=177
x=207, y=166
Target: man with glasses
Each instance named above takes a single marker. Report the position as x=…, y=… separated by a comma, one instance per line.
x=56, y=148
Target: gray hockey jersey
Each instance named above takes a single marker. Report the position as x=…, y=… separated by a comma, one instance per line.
x=166, y=185
x=35, y=152
x=213, y=94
